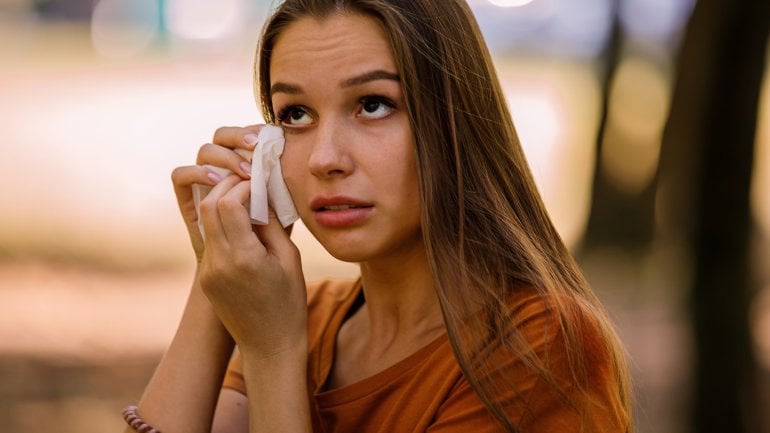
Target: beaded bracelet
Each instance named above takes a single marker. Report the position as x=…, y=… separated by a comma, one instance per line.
x=131, y=416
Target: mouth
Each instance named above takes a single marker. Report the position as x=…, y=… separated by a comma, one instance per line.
x=339, y=203
x=338, y=212
x=339, y=207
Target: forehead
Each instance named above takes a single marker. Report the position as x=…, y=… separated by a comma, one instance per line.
x=341, y=43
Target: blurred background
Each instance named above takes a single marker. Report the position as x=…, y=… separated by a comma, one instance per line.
x=646, y=123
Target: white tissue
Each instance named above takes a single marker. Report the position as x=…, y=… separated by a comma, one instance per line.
x=267, y=185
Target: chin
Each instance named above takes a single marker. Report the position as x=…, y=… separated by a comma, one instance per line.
x=347, y=254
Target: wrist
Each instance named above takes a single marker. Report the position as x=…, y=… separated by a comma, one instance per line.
x=278, y=390
x=200, y=321
x=294, y=352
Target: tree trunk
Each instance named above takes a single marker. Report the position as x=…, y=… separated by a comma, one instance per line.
x=617, y=218
x=706, y=164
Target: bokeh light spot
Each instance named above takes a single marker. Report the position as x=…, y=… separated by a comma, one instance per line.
x=122, y=29
x=639, y=102
x=194, y=19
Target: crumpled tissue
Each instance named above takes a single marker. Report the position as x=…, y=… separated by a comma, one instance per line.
x=267, y=185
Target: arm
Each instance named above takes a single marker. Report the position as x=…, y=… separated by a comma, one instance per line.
x=181, y=395
x=253, y=278
x=278, y=390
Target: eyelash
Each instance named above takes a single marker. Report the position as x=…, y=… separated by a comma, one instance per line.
x=380, y=100
x=285, y=112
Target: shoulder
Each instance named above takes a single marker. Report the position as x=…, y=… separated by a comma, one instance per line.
x=574, y=381
x=325, y=297
x=330, y=292
x=554, y=371
x=559, y=322
x=563, y=331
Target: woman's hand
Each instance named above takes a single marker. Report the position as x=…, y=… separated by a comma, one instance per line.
x=182, y=394
x=220, y=153
x=252, y=274
x=253, y=278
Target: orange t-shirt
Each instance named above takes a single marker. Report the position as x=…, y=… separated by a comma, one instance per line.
x=426, y=392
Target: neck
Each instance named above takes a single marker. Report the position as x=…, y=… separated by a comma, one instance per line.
x=401, y=301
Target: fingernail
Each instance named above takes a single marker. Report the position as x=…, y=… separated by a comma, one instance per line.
x=214, y=177
x=250, y=139
x=245, y=167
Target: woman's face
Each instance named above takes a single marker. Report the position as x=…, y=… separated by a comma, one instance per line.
x=349, y=158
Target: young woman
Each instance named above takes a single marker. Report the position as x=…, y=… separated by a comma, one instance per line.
x=469, y=315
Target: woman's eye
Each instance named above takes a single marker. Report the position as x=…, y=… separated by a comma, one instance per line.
x=295, y=116
x=375, y=108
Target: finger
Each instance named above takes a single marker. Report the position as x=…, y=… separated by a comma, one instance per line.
x=276, y=240
x=235, y=137
x=235, y=217
x=183, y=178
x=220, y=156
x=209, y=212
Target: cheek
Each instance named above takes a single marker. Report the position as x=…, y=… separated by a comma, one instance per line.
x=408, y=164
x=412, y=178
x=411, y=188
x=292, y=169
x=399, y=172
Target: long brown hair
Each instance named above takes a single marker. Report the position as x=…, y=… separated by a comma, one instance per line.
x=485, y=228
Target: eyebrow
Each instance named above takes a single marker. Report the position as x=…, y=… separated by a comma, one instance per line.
x=280, y=87
x=378, y=74
x=364, y=78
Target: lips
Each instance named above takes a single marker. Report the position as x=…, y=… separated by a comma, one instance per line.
x=336, y=203
x=340, y=212
x=339, y=207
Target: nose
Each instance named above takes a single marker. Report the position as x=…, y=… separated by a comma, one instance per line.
x=329, y=156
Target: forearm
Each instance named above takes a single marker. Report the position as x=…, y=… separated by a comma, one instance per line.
x=278, y=393
x=182, y=394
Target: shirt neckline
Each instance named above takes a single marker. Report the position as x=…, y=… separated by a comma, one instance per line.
x=368, y=385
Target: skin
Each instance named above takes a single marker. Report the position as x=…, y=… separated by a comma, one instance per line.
x=348, y=141
x=348, y=136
